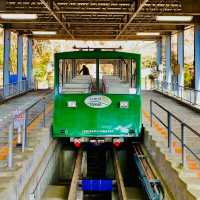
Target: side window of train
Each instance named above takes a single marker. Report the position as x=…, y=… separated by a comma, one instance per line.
x=133, y=74
x=60, y=75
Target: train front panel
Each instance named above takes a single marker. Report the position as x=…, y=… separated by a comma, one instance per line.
x=84, y=115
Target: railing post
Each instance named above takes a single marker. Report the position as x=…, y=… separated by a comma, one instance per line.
x=190, y=96
x=174, y=88
x=10, y=146
x=151, y=113
x=182, y=88
x=44, y=109
x=195, y=97
x=24, y=134
x=183, y=145
x=169, y=132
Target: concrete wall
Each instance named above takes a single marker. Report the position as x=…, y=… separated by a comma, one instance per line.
x=167, y=166
x=45, y=174
x=33, y=170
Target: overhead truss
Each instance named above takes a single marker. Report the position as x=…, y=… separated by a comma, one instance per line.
x=95, y=19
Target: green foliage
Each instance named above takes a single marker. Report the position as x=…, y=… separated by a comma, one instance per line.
x=188, y=75
x=149, y=62
x=41, y=59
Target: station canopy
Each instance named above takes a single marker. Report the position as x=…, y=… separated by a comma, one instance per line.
x=100, y=19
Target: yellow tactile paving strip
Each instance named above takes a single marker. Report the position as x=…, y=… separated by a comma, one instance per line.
x=35, y=123
x=191, y=164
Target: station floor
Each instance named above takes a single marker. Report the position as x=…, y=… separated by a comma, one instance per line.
x=9, y=108
x=185, y=114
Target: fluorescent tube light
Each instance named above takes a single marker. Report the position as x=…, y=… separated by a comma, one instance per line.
x=15, y=16
x=44, y=32
x=174, y=18
x=148, y=33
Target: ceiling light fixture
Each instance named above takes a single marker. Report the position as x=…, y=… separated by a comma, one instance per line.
x=44, y=32
x=147, y=33
x=15, y=16
x=174, y=18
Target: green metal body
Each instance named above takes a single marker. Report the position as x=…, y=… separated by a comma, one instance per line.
x=84, y=121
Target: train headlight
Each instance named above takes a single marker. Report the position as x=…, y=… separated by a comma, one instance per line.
x=124, y=104
x=71, y=104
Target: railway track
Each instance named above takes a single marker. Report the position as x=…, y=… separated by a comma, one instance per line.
x=148, y=179
x=89, y=177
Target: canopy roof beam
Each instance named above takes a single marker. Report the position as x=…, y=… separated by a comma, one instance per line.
x=56, y=17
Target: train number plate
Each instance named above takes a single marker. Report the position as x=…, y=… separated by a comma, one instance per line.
x=97, y=101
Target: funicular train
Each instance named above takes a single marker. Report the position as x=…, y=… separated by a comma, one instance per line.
x=103, y=107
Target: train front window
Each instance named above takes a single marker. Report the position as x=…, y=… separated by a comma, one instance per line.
x=118, y=76
x=111, y=76
x=76, y=75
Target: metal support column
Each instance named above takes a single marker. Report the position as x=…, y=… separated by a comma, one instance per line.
x=6, y=62
x=159, y=60
x=29, y=61
x=20, y=61
x=180, y=45
x=168, y=60
x=159, y=52
x=197, y=62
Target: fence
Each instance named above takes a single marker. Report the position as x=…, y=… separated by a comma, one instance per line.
x=25, y=118
x=189, y=95
x=186, y=139
x=13, y=89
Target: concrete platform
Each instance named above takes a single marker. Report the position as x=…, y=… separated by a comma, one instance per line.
x=55, y=192
x=182, y=182
x=33, y=170
x=188, y=116
x=9, y=108
x=184, y=113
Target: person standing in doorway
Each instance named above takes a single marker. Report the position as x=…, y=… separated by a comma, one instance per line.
x=85, y=70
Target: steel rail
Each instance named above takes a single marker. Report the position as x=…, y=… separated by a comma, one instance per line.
x=76, y=176
x=119, y=178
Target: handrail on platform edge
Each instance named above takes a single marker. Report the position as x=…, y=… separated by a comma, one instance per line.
x=171, y=133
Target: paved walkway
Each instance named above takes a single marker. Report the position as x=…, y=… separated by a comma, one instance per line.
x=184, y=113
x=36, y=124
x=9, y=108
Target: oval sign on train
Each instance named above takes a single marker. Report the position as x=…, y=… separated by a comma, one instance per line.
x=97, y=101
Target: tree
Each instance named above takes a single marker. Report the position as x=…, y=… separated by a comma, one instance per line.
x=41, y=58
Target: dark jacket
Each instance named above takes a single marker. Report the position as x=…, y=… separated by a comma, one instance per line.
x=85, y=71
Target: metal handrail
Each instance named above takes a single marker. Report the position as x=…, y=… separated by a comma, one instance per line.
x=15, y=88
x=178, y=91
x=43, y=101
x=172, y=133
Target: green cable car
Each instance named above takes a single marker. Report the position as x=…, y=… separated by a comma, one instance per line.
x=103, y=104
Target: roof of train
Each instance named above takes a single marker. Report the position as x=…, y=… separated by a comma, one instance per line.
x=96, y=55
